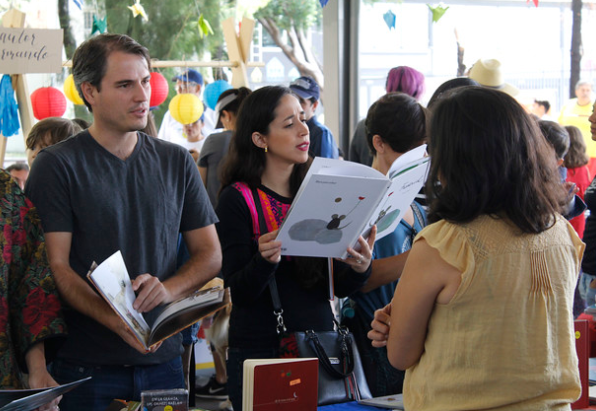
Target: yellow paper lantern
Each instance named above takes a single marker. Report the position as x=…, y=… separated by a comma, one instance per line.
x=70, y=90
x=186, y=108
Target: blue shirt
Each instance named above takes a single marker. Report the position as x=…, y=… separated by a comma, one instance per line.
x=322, y=143
x=395, y=243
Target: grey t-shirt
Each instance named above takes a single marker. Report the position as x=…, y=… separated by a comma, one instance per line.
x=138, y=205
x=213, y=151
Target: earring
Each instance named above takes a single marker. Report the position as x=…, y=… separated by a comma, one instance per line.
x=265, y=149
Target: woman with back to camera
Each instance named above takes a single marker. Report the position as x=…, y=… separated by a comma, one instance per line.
x=482, y=316
x=268, y=157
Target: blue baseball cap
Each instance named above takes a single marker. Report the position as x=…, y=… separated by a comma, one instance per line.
x=191, y=76
x=306, y=87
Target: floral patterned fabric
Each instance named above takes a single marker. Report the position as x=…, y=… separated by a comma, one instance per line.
x=30, y=310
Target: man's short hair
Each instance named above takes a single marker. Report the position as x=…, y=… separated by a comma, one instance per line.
x=543, y=103
x=582, y=83
x=89, y=63
x=50, y=131
x=17, y=167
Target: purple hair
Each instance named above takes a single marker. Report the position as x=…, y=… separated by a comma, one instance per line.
x=407, y=80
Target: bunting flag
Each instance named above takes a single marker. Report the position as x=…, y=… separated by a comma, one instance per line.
x=137, y=9
x=78, y=3
x=534, y=1
x=99, y=25
x=323, y=2
x=204, y=27
x=438, y=11
x=389, y=18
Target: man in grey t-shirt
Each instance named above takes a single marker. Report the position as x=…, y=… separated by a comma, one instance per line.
x=113, y=188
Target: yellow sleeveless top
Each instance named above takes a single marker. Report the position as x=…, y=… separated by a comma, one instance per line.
x=506, y=339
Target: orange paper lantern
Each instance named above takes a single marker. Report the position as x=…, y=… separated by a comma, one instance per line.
x=48, y=102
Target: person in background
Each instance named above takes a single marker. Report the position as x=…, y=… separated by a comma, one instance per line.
x=497, y=247
x=112, y=188
x=31, y=322
x=19, y=173
x=191, y=82
x=322, y=142
x=194, y=137
x=399, y=79
x=268, y=158
x=489, y=73
x=48, y=132
x=588, y=280
x=575, y=162
x=396, y=124
x=82, y=123
x=216, y=145
x=541, y=108
x=576, y=112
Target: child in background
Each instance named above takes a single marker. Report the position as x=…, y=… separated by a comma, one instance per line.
x=576, y=162
x=48, y=132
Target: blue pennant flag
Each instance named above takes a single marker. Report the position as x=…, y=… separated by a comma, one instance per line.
x=79, y=4
x=9, y=117
x=389, y=18
x=323, y=2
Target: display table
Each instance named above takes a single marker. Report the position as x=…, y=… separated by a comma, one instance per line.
x=348, y=406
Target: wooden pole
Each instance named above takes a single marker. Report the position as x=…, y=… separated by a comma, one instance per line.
x=239, y=48
x=13, y=18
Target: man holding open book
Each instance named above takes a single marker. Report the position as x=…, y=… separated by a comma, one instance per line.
x=113, y=188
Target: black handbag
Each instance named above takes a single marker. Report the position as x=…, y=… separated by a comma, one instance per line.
x=341, y=377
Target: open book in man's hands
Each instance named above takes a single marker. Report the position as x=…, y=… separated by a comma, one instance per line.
x=113, y=282
x=340, y=200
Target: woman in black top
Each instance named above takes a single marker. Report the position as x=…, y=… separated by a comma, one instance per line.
x=269, y=156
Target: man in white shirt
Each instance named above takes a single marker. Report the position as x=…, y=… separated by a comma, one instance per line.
x=190, y=82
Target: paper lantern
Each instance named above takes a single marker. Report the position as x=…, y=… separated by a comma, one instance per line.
x=213, y=91
x=159, y=89
x=70, y=90
x=186, y=108
x=48, y=102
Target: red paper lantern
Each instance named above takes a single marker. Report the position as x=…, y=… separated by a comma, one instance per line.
x=48, y=102
x=159, y=89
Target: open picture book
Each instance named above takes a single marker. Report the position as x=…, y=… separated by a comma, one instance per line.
x=112, y=281
x=340, y=200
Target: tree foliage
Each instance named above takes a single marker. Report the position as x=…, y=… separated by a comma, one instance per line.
x=295, y=18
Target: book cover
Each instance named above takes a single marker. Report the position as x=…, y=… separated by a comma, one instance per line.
x=288, y=384
x=582, y=345
x=340, y=200
x=113, y=282
x=31, y=399
x=160, y=400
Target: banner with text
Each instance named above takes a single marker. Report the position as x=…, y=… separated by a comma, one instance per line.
x=30, y=51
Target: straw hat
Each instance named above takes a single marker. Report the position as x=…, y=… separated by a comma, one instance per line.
x=488, y=73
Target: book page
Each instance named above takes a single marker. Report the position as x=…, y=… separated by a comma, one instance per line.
x=405, y=185
x=330, y=214
x=196, y=300
x=29, y=399
x=113, y=282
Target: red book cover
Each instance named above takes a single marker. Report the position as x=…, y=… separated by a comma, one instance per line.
x=285, y=384
x=582, y=345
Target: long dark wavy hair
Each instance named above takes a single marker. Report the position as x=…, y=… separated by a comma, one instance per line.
x=246, y=162
x=489, y=157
